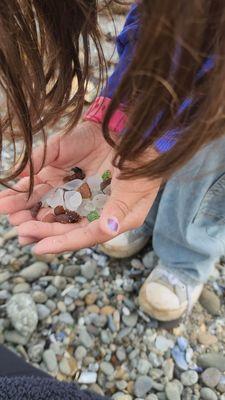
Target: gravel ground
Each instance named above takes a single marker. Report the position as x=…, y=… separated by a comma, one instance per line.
x=77, y=317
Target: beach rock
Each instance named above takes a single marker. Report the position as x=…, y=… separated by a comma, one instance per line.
x=210, y=301
x=211, y=377
x=50, y=360
x=214, y=360
x=22, y=312
x=34, y=271
x=142, y=386
x=208, y=394
x=189, y=378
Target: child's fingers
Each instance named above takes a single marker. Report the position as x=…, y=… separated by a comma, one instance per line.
x=24, y=241
x=40, y=230
x=22, y=185
x=20, y=217
x=20, y=201
x=52, y=151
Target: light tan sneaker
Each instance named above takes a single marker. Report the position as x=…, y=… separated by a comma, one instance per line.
x=166, y=297
x=127, y=244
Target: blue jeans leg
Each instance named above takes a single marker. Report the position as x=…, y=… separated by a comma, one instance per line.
x=189, y=215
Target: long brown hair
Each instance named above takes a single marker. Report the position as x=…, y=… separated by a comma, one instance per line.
x=44, y=46
x=191, y=31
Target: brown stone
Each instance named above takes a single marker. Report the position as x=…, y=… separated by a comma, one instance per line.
x=107, y=310
x=85, y=191
x=91, y=298
x=206, y=339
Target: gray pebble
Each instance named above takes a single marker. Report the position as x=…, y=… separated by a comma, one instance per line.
x=51, y=291
x=66, y=318
x=163, y=344
x=142, y=386
x=51, y=304
x=121, y=354
x=4, y=276
x=35, y=352
x=208, y=394
x=107, y=368
x=87, y=377
x=221, y=385
x=189, y=378
x=43, y=312
x=50, y=360
x=15, y=337
x=39, y=297
x=59, y=282
x=130, y=320
x=173, y=391
x=168, y=368
x=215, y=360
x=149, y=260
x=80, y=353
x=121, y=396
x=21, y=288
x=4, y=295
x=151, y=397
x=22, y=312
x=85, y=338
x=210, y=301
x=211, y=377
x=88, y=269
x=34, y=271
x=143, y=366
x=71, y=270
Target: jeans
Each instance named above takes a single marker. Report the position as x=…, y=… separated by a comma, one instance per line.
x=187, y=220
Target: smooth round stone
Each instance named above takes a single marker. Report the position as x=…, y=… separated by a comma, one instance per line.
x=87, y=377
x=143, y=366
x=214, y=360
x=50, y=360
x=210, y=301
x=211, y=377
x=71, y=271
x=208, y=394
x=149, y=260
x=59, y=282
x=189, y=378
x=221, y=385
x=43, y=312
x=91, y=298
x=107, y=368
x=68, y=366
x=39, y=297
x=142, y=386
x=34, y=271
x=80, y=353
x=4, y=294
x=163, y=344
x=15, y=337
x=168, y=368
x=35, y=352
x=130, y=320
x=88, y=269
x=51, y=291
x=173, y=391
x=206, y=339
x=85, y=338
x=21, y=288
x=121, y=385
x=121, y=354
x=22, y=312
x=66, y=318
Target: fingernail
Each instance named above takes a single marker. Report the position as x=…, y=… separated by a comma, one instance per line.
x=113, y=224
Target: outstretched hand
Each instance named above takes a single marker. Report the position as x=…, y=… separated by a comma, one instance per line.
x=85, y=147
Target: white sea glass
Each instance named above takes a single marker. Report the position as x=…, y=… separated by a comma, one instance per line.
x=85, y=208
x=73, y=200
x=99, y=201
x=53, y=198
x=72, y=185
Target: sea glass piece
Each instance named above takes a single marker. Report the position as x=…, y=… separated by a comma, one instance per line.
x=94, y=183
x=99, y=201
x=73, y=200
x=72, y=185
x=53, y=198
x=85, y=208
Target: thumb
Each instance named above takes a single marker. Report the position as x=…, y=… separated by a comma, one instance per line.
x=113, y=215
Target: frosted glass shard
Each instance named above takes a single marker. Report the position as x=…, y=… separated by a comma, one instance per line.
x=72, y=185
x=73, y=200
x=53, y=198
x=99, y=201
x=85, y=208
x=94, y=183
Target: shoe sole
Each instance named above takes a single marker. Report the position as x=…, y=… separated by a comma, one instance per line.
x=123, y=251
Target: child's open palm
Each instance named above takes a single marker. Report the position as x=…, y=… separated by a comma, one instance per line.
x=85, y=147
